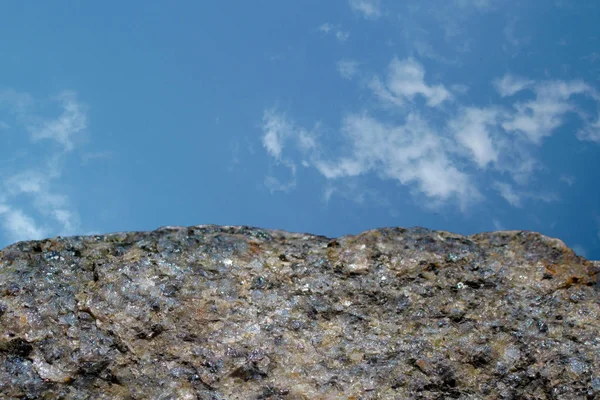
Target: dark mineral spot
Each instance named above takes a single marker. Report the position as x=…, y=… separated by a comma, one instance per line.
x=248, y=371
x=16, y=347
x=271, y=392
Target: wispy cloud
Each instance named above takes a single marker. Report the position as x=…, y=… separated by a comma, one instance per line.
x=405, y=81
x=20, y=226
x=369, y=9
x=498, y=225
x=278, y=132
x=590, y=132
x=425, y=50
x=421, y=23
x=508, y=193
x=55, y=209
x=539, y=117
x=592, y=57
x=336, y=30
x=515, y=196
x=569, y=180
x=274, y=184
x=347, y=68
x=453, y=17
x=443, y=154
x=472, y=130
x=410, y=153
x=509, y=84
x=32, y=186
x=353, y=191
x=510, y=33
x=72, y=122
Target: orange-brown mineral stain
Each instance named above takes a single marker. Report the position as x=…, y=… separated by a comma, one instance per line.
x=254, y=248
x=572, y=272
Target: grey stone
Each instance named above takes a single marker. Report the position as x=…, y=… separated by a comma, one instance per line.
x=210, y=312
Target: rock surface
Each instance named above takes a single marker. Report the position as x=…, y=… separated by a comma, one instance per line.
x=210, y=312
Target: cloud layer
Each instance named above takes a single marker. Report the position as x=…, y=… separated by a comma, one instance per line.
x=443, y=150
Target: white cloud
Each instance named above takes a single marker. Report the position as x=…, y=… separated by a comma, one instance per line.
x=370, y=9
x=498, y=225
x=510, y=32
x=37, y=186
x=410, y=153
x=425, y=50
x=406, y=80
x=25, y=182
x=472, y=130
x=339, y=34
x=69, y=221
x=306, y=141
x=275, y=185
x=276, y=129
x=509, y=84
x=539, y=117
x=509, y=194
x=34, y=182
x=347, y=68
x=21, y=226
x=326, y=27
x=278, y=132
x=352, y=190
x=328, y=192
x=515, y=197
x=520, y=165
x=73, y=121
x=342, y=36
x=590, y=132
x=569, y=180
x=545, y=197
x=4, y=125
x=342, y=168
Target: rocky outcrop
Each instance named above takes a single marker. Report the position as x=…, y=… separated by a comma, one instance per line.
x=209, y=312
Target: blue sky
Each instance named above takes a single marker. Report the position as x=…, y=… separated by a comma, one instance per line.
x=323, y=117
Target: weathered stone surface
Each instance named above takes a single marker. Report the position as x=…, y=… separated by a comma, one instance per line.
x=212, y=312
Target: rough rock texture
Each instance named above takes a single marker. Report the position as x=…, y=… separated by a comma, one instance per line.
x=211, y=312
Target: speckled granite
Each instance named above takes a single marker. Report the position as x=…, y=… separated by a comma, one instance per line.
x=211, y=312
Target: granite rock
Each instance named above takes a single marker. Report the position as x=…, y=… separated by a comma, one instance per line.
x=217, y=312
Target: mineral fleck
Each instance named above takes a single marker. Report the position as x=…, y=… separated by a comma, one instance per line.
x=219, y=312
